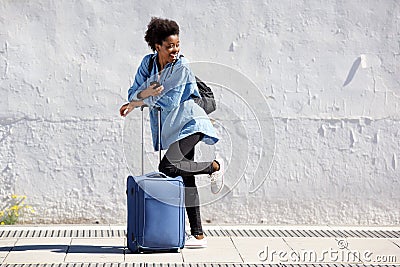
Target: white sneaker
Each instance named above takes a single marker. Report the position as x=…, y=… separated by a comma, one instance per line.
x=193, y=242
x=217, y=178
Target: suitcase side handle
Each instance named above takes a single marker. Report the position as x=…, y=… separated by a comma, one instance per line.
x=157, y=175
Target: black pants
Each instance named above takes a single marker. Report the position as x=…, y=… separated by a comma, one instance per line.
x=179, y=161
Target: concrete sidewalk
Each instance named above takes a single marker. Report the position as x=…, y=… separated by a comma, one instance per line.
x=73, y=245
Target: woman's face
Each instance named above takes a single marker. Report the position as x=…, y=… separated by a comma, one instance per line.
x=169, y=49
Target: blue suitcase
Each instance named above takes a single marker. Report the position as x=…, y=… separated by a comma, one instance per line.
x=156, y=215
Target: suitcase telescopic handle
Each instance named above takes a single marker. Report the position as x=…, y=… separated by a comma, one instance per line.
x=159, y=134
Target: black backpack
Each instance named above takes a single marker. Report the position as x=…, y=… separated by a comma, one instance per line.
x=206, y=99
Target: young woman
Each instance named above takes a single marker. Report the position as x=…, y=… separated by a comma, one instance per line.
x=170, y=86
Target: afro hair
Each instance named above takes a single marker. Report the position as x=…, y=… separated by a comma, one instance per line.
x=158, y=30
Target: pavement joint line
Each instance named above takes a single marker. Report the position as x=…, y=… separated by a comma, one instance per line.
x=69, y=246
x=237, y=251
x=284, y=240
x=397, y=245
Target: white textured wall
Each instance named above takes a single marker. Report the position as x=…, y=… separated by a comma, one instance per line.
x=65, y=67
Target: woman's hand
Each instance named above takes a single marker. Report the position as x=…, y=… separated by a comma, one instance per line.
x=127, y=108
x=154, y=89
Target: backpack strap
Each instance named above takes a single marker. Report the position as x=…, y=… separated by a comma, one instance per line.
x=151, y=63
